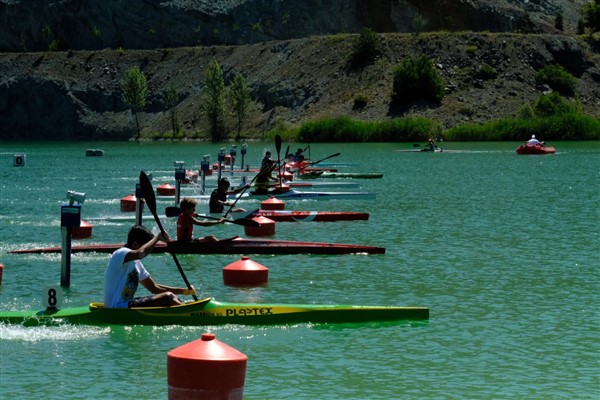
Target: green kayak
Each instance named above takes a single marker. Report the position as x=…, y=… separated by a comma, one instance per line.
x=211, y=312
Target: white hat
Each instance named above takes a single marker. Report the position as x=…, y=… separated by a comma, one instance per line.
x=533, y=136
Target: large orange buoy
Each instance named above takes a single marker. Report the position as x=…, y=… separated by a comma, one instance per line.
x=206, y=369
x=266, y=227
x=245, y=272
x=165, y=190
x=288, y=176
x=128, y=203
x=272, y=203
x=83, y=231
x=282, y=187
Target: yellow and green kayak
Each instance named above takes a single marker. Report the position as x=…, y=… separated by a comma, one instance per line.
x=211, y=312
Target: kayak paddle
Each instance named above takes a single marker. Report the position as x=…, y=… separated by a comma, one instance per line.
x=278, y=148
x=148, y=192
x=175, y=211
x=326, y=158
x=263, y=170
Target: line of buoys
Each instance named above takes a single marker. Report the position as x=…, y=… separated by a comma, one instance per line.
x=128, y=203
x=266, y=227
x=83, y=231
x=206, y=369
x=165, y=190
x=272, y=203
x=245, y=272
x=19, y=160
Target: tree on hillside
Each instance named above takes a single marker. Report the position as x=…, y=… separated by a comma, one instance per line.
x=416, y=78
x=366, y=47
x=590, y=14
x=171, y=99
x=239, y=96
x=214, y=100
x=135, y=90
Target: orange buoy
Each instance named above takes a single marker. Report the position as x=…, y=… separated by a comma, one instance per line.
x=272, y=203
x=245, y=272
x=282, y=187
x=206, y=369
x=83, y=231
x=128, y=203
x=266, y=227
x=288, y=176
x=165, y=190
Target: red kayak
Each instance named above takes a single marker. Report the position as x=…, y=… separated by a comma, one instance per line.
x=309, y=216
x=235, y=245
x=537, y=149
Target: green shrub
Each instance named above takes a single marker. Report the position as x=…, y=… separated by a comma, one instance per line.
x=487, y=72
x=417, y=78
x=360, y=101
x=553, y=104
x=345, y=129
x=558, y=127
x=557, y=78
x=365, y=47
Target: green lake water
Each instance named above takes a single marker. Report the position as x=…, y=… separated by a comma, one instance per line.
x=504, y=249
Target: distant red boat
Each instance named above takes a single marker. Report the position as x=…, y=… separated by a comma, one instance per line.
x=538, y=149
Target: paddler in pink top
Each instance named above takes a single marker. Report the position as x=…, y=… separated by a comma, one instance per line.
x=187, y=220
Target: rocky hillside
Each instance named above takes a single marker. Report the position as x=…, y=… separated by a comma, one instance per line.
x=37, y=25
x=76, y=93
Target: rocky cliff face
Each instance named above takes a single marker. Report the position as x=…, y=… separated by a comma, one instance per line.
x=76, y=95
x=39, y=25
x=294, y=55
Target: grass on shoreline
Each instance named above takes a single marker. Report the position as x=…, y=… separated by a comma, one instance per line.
x=571, y=126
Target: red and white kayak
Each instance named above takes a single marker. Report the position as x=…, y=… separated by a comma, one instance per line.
x=305, y=216
x=235, y=245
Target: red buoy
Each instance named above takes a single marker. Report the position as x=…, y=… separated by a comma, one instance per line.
x=272, y=203
x=282, y=187
x=128, y=203
x=288, y=176
x=83, y=231
x=245, y=272
x=266, y=227
x=206, y=369
x=165, y=190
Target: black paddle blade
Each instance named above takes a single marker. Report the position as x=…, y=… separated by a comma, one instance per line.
x=278, y=143
x=149, y=196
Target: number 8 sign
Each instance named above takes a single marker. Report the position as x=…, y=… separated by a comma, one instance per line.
x=52, y=297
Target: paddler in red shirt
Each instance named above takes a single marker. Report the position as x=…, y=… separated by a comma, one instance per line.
x=187, y=220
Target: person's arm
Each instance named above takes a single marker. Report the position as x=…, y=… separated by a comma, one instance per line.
x=156, y=288
x=207, y=223
x=236, y=191
x=145, y=249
